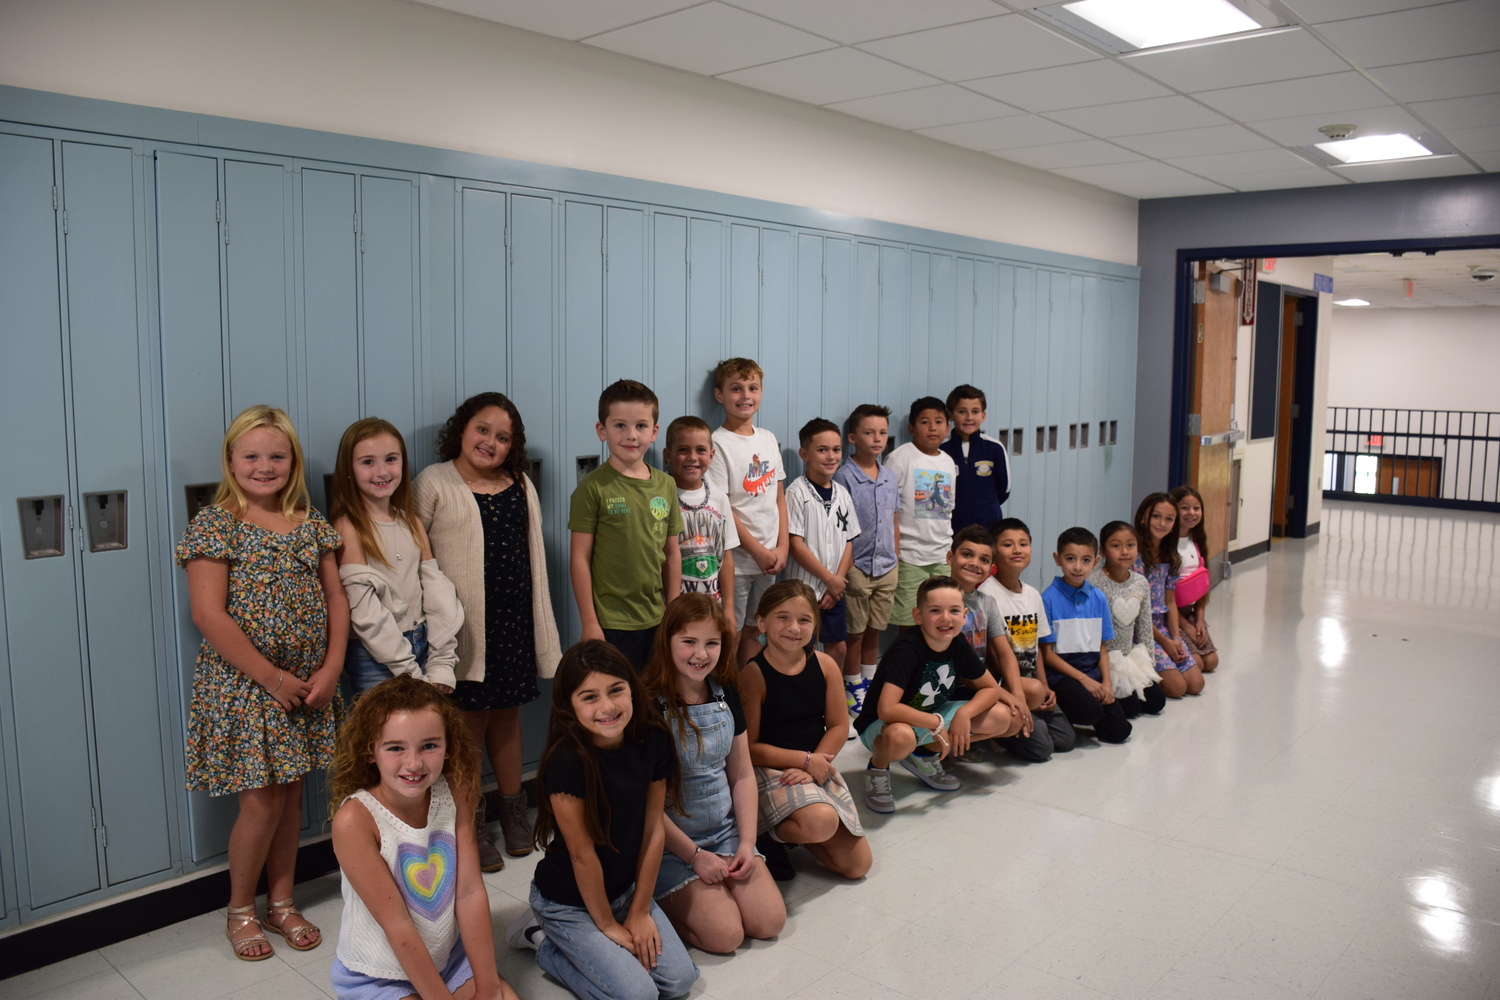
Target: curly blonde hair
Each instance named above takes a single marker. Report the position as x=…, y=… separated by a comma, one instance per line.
x=353, y=765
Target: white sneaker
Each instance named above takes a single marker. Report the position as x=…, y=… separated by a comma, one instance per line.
x=852, y=731
x=929, y=770
x=525, y=931
x=878, y=796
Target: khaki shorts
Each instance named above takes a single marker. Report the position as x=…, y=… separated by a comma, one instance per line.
x=909, y=578
x=867, y=601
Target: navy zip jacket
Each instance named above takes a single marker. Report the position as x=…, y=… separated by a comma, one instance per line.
x=983, y=480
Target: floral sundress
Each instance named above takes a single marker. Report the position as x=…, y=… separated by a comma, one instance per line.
x=239, y=736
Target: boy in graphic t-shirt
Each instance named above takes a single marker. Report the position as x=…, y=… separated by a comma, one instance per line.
x=926, y=476
x=747, y=468
x=708, y=536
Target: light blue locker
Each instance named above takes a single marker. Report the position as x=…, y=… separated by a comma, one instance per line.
x=839, y=347
x=626, y=348
x=943, y=336
x=533, y=388
x=891, y=376
x=1034, y=429
x=706, y=296
x=1062, y=404
x=805, y=388
x=440, y=209
x=194, y=403
x=678, y=391
x=960, y=367
x=51, y=781
x=583, y=321
x=744, y=291
x=916, y=381
x=864, y=340
x=391, y=362
x=105, y=350
x=330, y=317
x=257, y=263
x=1092, y=396
x=482, y=356
x=775, y=352
x=992, y=344
x=1121, y=415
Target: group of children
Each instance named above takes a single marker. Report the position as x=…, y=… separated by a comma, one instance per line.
x=731, y=633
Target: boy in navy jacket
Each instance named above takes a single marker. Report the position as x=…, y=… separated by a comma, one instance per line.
x=983, y=464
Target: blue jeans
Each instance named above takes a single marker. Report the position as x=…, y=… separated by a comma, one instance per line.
x=578, y=955
x=365, y=671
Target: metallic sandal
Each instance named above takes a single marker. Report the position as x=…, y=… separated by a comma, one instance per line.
x=297, y=936
x=241, y=917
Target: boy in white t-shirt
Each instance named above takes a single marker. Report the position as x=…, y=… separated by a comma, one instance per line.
x=747, y=468
x=926, y=475
x=1026, y=622
x=708, y=536
x=822, y=524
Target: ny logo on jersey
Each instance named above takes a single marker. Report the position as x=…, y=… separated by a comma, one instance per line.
x=843, y=516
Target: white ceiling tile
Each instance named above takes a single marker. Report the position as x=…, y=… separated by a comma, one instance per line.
x=1186, y=188
x=1004, y=133
x=1402, y=170
x=1087, y=153
x=861, y=20
x=711, y=39
x=1302, y=130
x=1196, y=141
x=1485, y=139
x=1487, y=161
x=572, y=19
x=835, y=75
x=1280, y=180
x=1287, y=98
x=1435, y=79
x=1159, y=114
x=1259, y=161
x=1235, y=62
x=1076, y=86
x=1460, y=112
x=1139, y=171
x=1006, y=44
x=1335, y=10
x=925, y=108
x=1451, y=29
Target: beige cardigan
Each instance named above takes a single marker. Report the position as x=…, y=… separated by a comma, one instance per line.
x=445, y=506
x=376, y=609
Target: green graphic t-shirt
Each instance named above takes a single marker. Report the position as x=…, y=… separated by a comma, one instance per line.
x=631, y=520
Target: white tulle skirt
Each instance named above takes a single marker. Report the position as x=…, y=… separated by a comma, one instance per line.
x=1132, y=673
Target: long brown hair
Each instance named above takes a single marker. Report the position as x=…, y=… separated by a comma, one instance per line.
x=1151, y=552
x=1196, y=532
x=345, y=499
x=566, y=733
x=450, y=438
x=659, y=677
x=353, y=766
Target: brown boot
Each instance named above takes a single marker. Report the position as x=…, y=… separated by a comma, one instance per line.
x=516, y=823
x=490, y=858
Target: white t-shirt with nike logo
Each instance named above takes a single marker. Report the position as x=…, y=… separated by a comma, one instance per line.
x=746, y=468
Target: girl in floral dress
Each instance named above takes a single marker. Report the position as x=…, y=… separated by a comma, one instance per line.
x=265, y=593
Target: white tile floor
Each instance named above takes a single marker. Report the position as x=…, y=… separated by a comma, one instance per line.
x=1324, y=821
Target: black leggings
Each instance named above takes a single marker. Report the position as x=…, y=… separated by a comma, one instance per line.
x=1083, y=709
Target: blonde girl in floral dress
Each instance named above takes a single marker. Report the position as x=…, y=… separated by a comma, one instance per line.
x=265, y=593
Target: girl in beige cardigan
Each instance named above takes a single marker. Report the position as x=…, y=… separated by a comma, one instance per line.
x=482, y=516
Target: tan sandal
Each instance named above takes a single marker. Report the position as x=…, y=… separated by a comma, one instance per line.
x=298, y=935
x=241, y=917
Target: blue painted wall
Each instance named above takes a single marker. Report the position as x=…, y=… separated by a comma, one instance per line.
x=193, y=266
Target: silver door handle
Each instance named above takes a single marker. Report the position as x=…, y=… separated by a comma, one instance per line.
x=1227, y=437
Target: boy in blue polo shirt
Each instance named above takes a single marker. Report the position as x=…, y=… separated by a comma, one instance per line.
x=1075, y=653
x=983, y=463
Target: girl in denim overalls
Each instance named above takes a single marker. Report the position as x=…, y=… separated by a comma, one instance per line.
x=711, y=884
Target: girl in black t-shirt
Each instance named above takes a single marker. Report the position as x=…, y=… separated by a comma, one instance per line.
x=604, y=780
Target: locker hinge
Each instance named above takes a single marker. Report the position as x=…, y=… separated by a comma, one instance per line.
x=226, y=232
x=54, y=197
x=218, y=211
x=355, y=219
x=104, y=836
x=65, y=221
x=361, y=242
x=70, y=517
x=93, y=813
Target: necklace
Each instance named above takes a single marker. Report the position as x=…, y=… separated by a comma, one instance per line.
x=695, y=506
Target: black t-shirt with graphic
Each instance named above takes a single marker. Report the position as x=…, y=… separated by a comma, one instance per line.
x=926, y=677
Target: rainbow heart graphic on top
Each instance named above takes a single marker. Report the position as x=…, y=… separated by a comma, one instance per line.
x=428, y=874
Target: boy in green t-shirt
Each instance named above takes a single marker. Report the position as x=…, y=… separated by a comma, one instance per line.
x=625, y=520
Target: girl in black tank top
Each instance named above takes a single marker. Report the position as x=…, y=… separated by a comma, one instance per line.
x=796, y=719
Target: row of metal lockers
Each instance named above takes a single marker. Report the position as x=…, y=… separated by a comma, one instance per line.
x=150, y=291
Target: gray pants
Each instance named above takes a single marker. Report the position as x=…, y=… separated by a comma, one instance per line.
x=1051, y=732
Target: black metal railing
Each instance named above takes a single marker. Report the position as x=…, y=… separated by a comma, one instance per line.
x=1435, y=458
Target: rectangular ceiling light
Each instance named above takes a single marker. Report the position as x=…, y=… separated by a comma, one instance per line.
x=1369, y=148
x=1146, y=24
x=1350, y=302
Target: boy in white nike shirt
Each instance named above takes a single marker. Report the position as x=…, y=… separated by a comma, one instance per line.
x=747, y=468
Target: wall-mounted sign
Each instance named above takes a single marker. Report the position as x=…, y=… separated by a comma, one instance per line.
x=1322, y=283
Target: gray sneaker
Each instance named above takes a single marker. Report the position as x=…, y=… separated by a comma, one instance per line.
x=929, y=770
x=878, y=797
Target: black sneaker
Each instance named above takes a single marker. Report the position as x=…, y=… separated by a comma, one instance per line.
x=777, y=862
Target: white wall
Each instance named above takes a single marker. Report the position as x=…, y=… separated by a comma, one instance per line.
x=1436, y=359
x=398, y=71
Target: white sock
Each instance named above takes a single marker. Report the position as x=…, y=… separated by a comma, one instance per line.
x=867, y=670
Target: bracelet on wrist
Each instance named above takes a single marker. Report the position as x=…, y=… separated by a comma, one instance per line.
x=280, y=676
x=694, y=859
x=807, y=762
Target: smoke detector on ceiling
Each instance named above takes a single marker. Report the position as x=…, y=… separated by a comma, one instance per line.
x=1338, y=131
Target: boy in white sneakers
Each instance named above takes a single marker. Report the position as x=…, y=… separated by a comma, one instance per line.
x=926, y=475
x=820, y=520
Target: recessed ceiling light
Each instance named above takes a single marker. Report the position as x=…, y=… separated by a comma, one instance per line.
x=1149, y=23
x=1350, y=302
x=1369, y=148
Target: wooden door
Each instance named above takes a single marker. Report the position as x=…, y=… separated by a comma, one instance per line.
x=1215, y=323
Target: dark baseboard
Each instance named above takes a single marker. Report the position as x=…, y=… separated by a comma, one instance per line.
x=111, y=923
x=1312, y=529
x=1250, y=551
